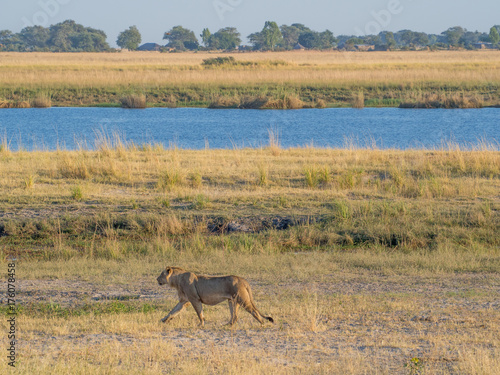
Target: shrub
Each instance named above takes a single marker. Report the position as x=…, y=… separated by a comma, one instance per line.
x=77, y=193
x=358, y=100
x=219, y=61
x=41, y=101
x=134, y=101
x=221, y=101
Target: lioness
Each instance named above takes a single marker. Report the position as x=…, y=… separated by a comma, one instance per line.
x=199, y=289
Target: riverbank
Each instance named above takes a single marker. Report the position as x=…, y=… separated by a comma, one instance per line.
x=64, y=203
x=462, y=79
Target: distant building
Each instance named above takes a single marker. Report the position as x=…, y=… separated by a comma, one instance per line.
x=364, y=47
x=299, y=47
x=483, y=45
x=149, y=47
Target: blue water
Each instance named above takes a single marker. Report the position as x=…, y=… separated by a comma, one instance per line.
x=196, y=128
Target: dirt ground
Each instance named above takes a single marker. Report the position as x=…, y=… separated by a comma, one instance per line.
x=340, y=323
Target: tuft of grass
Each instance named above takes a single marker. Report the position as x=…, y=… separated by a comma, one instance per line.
x=289, y=101
x=341, y=210
x=324, y=175
x=4, y=145
x=29, y=182
x=274, y=142
x=41, y=101
x=223, y=101
x=358, y=100
x=170, y=178
x=200, y=202
x=165, y=202
x=263, y=178
x=77, y=193
x=311, y=176
x=195, y=179
x=253, y=102
x=134, y=101
x=320, y=104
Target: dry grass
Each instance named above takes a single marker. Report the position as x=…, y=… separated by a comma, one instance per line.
x=16, y=104
x=385, y=74
x=358, y=100
x=402, y=265
x=42, y=101
x=134, y=101
x=426, y=199
x=335, y=314
x=443, y=100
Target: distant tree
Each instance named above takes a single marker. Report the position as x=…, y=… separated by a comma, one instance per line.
x=313, y=39
x=310, y=39
x=471, y=37
x=373, y=39
x=351, y=42
x=327, y=39
x=68, y=36
x=10, y=41
x=180, y=38
x=290, y=35
x=387, y=37
x=130, y=38
x=356, y=41
x=269, y=38
x=453, y=35
x=205, y=36
x=256, y=40
x=35, y=37
x=494, y=35
x=225, y=39
x=420, y=39
x=408, y=38
x=98, y=38
x=60, y=36
x=303, y=28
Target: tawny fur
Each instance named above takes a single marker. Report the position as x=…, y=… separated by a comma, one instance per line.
x=209, y=290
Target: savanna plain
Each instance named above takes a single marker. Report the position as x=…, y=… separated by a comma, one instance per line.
x=370, y=261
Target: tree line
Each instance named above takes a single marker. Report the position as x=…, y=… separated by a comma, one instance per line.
x=68, y=36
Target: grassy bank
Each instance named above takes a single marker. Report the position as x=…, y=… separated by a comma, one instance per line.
x=123, y=200
x=370, y=261
x=328, y=78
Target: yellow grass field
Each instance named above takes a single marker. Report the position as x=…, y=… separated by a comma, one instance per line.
x=69, y=78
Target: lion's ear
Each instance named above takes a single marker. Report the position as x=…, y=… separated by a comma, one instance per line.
x=169, y=271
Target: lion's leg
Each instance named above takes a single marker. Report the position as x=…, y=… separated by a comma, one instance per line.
x=176, y=310
x=198, y=306
x=233, y=309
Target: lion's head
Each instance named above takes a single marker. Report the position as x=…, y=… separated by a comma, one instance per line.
x=163, y=278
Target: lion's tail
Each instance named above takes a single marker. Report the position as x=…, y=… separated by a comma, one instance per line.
x=253, y=307
x=268, y=318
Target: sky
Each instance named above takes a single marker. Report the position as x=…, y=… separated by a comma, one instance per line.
x=351, y=17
